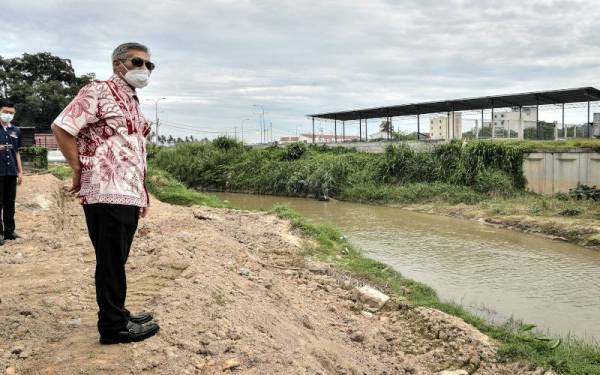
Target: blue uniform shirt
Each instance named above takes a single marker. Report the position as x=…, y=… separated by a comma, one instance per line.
x=10, y=142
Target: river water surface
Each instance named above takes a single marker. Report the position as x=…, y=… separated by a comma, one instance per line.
x=504, y=273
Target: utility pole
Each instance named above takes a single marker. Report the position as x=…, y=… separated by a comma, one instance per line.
x=156, y=114
x=271, y=131
x=242, y=126
x=263, y=127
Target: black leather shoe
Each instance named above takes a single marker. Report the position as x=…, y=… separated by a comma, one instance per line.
x=140, y=318
x=132, y=333
x=1, y=240
x=11, y=236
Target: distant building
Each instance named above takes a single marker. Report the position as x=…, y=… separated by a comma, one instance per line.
x=378, y=136
x=513, y=120
x=441, y=128
x=46, y=140
x=596, y=125
x=319, y=138
x=285, y=140
x=329, y=138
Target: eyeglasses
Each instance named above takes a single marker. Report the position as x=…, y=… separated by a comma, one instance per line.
x=139, y=62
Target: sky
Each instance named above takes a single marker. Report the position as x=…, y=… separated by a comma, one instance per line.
x=219, y=62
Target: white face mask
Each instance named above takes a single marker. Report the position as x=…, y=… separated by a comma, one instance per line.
x=6, y=117
x=137, y=78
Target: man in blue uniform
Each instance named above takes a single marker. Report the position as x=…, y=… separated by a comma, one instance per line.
x=11, y=170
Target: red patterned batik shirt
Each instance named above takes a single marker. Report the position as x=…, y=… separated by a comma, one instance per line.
x=111, y=132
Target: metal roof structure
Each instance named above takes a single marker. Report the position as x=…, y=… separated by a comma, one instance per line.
x=577, y=95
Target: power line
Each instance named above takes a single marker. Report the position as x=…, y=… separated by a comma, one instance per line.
x=193, y=130
x=194, y=127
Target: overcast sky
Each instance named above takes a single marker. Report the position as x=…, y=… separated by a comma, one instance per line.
x=216, y=58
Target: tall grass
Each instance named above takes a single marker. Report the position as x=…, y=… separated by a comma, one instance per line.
x=469, y=171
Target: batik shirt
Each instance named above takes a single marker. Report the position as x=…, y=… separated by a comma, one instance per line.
x=111, y=132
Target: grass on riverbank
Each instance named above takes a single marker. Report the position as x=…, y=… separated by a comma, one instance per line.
x=484, y=173
x=594, y=144
x=301, y=170
x=478, y=179
x=167, y=189
x=517, y=341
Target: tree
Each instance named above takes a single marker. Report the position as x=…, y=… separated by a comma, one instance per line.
x=546, y=131
x=40, y=85
x=404, y=136
x=484, y=132
x=386, y=127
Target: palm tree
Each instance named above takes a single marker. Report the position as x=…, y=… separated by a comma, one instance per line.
x=387, y=127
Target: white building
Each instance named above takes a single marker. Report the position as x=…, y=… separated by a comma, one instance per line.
x=379, y=136
x=596, y=126
x=514, y=120
x=441, y=128
x=284, y=140
x=306, y=138
x=319, y=138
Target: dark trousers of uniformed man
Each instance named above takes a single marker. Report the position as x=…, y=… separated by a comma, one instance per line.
x=8, y=194
x=111, y=228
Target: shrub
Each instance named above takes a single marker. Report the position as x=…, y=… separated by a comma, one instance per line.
x=294, y=151
x=561, y=196
x=585, y=192
x=35, y=156
x=226, y=143
x=494, y=183
x=570, y=212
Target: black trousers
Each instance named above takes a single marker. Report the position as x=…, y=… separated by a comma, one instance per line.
x=8, y=194
x=111, y=228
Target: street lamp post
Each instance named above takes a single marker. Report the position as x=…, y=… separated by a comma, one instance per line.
x=156, y=114
x=262, y=130
x=242, y=126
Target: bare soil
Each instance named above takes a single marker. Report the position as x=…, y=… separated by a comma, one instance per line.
x=232, y=293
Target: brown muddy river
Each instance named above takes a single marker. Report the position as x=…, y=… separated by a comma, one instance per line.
x=496, y=272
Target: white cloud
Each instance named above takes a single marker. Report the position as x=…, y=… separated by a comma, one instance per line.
x=216, y=58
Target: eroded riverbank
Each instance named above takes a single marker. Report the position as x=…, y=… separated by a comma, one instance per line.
x=494, y=271
x=231, y=290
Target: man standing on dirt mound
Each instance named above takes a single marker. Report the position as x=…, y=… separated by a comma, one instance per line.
x=102, y=134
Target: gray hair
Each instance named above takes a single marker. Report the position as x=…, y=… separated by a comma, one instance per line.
x=120, y=53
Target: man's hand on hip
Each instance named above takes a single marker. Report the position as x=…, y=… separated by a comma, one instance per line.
x=76, y=186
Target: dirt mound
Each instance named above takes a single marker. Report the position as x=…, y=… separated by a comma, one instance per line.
x=231, y=290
